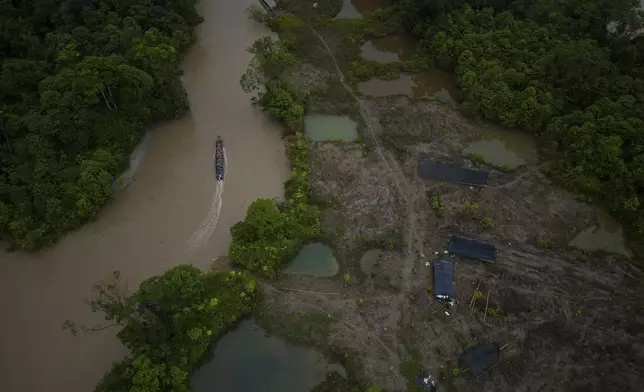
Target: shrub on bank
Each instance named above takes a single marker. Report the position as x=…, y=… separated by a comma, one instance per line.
x=264, y=77
x=169, y=323
x=270, y=234
x=282, y=103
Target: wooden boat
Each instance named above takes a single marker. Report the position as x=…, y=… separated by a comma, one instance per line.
x=220, y=159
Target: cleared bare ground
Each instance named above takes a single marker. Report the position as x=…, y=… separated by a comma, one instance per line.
x=573, y=321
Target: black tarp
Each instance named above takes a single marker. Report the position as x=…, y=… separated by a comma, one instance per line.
x=479, y=359
x=443, y=278
x=472, y=248
x=453, y=173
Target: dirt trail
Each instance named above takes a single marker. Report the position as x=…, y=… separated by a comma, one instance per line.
x=412, y=238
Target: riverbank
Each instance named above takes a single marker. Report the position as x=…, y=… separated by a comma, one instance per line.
x=150, y=226
x=544, y=299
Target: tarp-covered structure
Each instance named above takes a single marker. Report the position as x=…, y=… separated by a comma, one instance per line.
x=479, y=359
x=443, y=270
x=452, y=173
x=472, y=248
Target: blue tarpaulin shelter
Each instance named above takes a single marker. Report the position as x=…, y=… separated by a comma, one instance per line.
x=443, y=269
x=472, y=248
x=452, y=173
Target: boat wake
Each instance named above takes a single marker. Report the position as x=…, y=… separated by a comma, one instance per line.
x=208, y=225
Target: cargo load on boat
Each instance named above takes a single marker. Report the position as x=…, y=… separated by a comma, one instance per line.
x=219, y=159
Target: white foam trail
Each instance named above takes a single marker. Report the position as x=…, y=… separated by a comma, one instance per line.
x=198, y=238
x=208, y=225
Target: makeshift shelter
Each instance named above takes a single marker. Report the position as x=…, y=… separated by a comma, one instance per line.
x=443, y=270
x=479, y=359
x=452, y=173
x=472, y=248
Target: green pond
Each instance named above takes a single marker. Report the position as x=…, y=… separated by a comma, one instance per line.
x=354, y=9
x=390, y=48
x=606, y=235
x=326, y=128
x=432, y=83
x=504, y=147
x=314, y=259
x=247, y=359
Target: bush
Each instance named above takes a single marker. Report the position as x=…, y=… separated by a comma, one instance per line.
x=283, y=104
x=264, y=77
x=269, y=235
x=169, y=323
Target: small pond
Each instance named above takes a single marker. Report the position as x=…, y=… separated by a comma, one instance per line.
x=505, y=147
x=314, y=259
x=390, y=48
x=606, y=235
x=432, y=83
x=354, y=9
x=368, y=260
x=248, y=360
x=327, y=128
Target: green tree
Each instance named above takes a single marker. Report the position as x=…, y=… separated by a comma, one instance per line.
x=78, y=84
x=168, y=324
x=263, y=240
x=555, y=69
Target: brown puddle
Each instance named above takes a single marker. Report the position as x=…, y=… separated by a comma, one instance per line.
x=432, y=83
x=389, y=49
x=606, y=235
x=502, y=147
x=355, y=9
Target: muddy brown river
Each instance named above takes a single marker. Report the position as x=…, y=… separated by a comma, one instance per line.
x=173, y=212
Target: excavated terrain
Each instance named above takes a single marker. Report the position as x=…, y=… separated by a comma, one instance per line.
x=568, y=320
x=571, y=320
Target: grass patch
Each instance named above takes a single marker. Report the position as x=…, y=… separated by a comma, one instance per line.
x=380, y=23
x=363, y=70
x=324, y=11
x=334, y=382
x=436, y=204
x=410, y=369
x=398, y=143
x=479, y=160
x=393, y=242
x=302, y=328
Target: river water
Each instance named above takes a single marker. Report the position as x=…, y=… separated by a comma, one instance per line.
x=166, y=216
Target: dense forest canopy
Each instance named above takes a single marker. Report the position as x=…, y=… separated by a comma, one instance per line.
x=570, y=71
x=79, y=80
